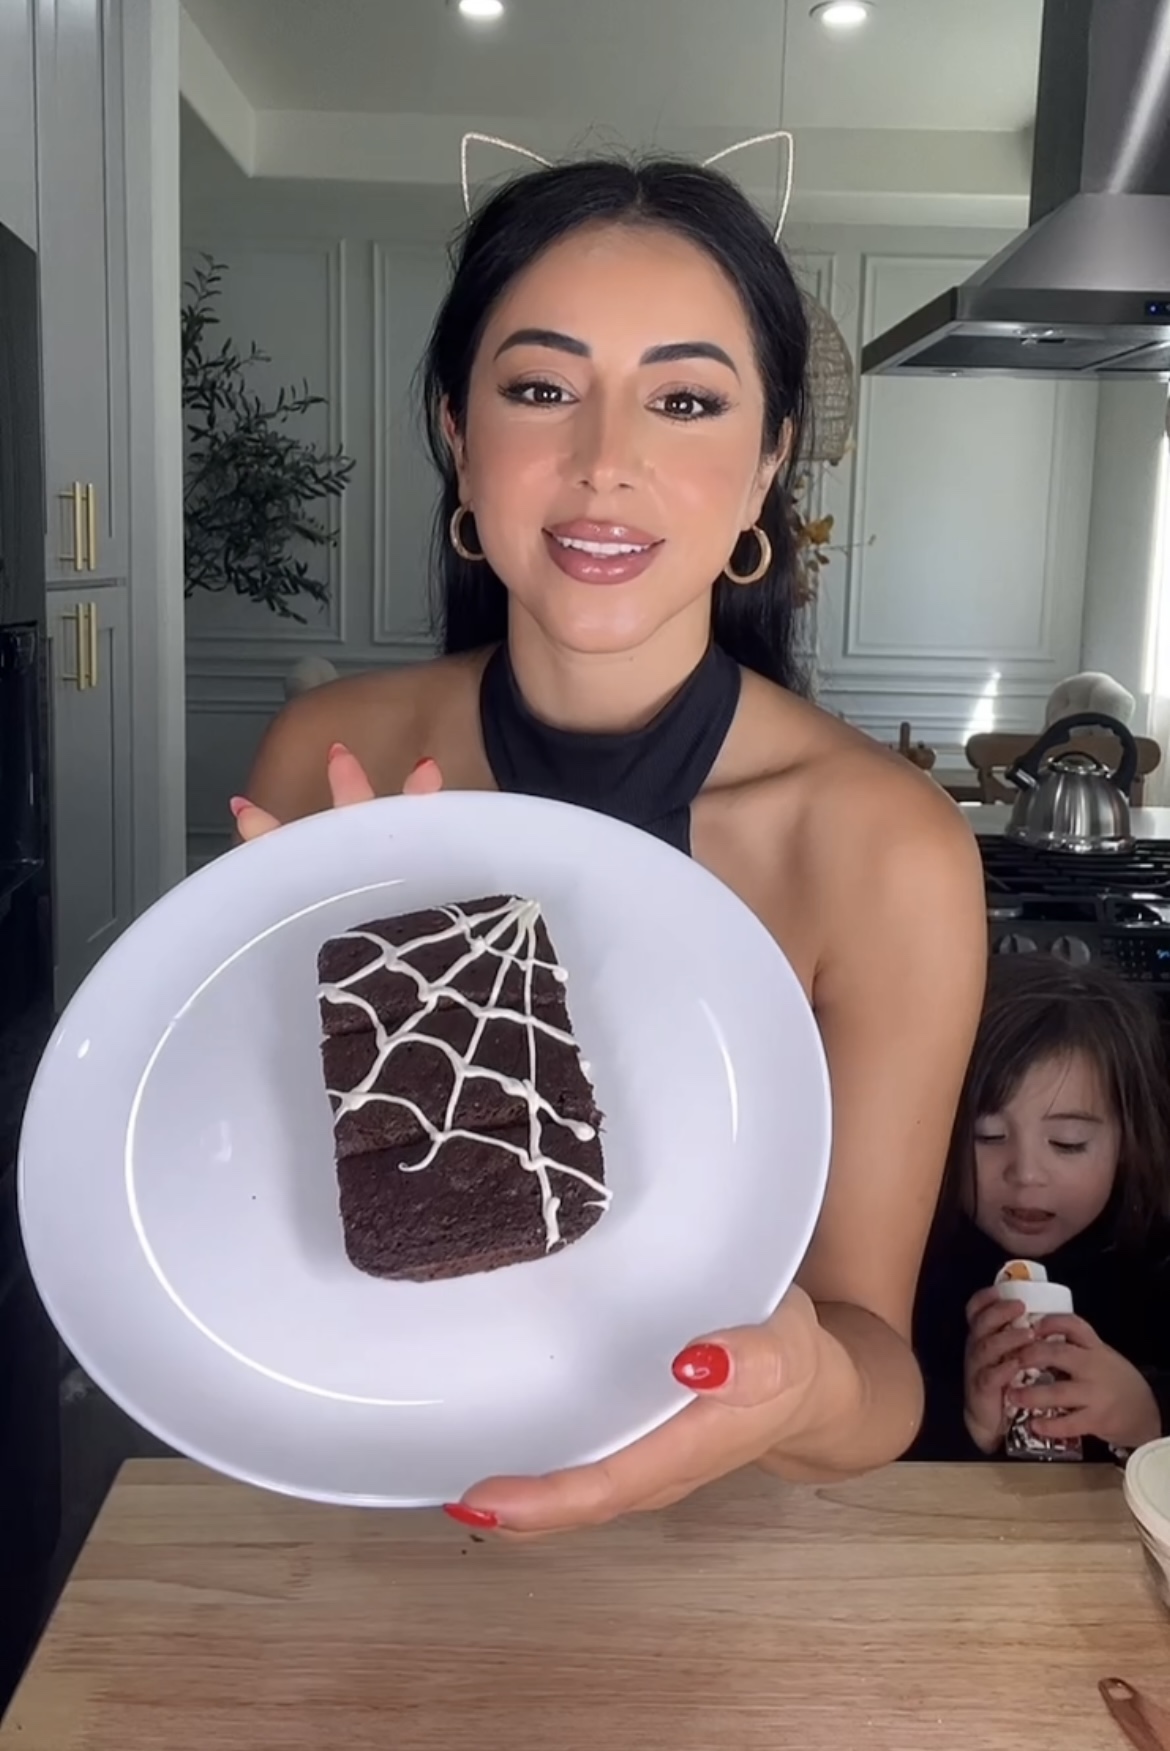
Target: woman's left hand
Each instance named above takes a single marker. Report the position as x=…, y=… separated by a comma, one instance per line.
x=753, y=1387
x=1104, y=1395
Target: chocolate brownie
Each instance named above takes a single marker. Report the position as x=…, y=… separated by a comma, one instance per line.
x=367, y=962
x=473, y=1208
x=466, y=1126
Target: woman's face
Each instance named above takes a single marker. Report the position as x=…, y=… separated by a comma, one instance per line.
x=611, y=450
x=1045, y=1166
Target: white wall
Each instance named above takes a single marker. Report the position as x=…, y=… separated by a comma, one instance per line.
x=963, y=612
x=340, y=287
x=964, y=512
x=1131, y=428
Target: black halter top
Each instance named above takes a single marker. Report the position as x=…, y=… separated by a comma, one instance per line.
x=648, y=777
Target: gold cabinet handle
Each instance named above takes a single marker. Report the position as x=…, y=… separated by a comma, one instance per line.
x=75, y=497
x=91, y=527
x=78, y=678
x=84, y=618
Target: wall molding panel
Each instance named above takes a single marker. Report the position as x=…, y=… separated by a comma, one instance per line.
x=963, y=516
x=269, y=264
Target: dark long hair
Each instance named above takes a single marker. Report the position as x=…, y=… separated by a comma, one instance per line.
x=754, y=623
x=1038, y=1009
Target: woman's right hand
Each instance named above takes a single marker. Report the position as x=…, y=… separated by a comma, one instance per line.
x=348, y=785
x=990, y=1364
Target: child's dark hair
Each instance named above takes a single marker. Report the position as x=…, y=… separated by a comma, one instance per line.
x=1039, y=1008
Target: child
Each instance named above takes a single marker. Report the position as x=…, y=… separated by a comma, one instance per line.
x=1061, y=1155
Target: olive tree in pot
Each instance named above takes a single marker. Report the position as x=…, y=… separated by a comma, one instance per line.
x=253, y=489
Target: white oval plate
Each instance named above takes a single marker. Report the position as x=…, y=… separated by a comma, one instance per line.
x=179, y=1200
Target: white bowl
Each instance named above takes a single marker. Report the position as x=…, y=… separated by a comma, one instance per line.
x=1147, y=1495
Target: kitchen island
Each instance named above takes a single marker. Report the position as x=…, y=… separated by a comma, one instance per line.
x=940, y=1607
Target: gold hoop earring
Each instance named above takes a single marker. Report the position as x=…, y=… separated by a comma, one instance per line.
x=761, y=565
x=455, y=532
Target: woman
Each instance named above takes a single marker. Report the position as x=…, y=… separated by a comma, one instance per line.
x=614, y=390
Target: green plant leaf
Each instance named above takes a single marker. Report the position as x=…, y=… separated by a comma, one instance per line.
x=249, y=477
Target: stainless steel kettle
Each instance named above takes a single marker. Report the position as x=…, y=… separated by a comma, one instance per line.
x=1073, y=803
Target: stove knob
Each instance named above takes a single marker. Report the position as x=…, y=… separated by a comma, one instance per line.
x=1072, y=950
x=1015, y=945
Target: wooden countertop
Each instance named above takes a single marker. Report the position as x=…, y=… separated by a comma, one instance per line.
x=955, y=1608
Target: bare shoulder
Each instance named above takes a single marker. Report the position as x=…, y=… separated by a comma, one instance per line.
x=389, y=718
x=864, y=795
x=895, y=864
x=853, y=796
x=848, y=852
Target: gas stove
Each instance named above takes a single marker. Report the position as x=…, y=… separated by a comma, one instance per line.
x=1083, y=906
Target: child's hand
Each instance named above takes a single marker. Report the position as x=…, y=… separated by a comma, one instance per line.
x=991, y=1362
x=1104, y=1395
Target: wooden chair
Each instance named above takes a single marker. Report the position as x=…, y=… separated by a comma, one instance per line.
x=993, y=753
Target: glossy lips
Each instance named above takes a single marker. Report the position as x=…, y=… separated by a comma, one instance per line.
x=601, y=553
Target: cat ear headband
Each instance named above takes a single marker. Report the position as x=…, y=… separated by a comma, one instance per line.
x=779, y=134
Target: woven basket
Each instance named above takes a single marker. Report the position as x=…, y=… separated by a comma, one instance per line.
x=832, y=389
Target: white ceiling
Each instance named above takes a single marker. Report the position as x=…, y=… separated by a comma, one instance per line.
x=636, y=65
x=921, y=118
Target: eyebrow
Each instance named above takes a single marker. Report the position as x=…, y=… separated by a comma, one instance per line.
x=672, y=352
x=1049, y=1118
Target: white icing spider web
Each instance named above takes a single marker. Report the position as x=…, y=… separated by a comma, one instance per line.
x=511, y=935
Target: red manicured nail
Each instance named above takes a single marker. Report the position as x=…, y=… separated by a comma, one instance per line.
x=419, y=764
x=238, y=804
x=481, y=1518
x=337, y=750
x=703, y=1367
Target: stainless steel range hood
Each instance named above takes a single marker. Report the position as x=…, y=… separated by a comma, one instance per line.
x=1085, y=290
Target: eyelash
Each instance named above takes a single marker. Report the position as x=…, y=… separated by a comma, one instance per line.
x=1061, y=1148
x=710, y=406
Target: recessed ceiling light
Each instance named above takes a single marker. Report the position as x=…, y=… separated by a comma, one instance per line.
x=842, y=14
x=481, y=8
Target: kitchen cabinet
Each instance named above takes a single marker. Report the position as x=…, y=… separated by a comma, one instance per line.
x=18, y=161
x=82, y=237
x=89, y=654
x=85, y=377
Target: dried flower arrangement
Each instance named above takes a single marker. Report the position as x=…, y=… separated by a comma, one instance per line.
x=814, y=539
